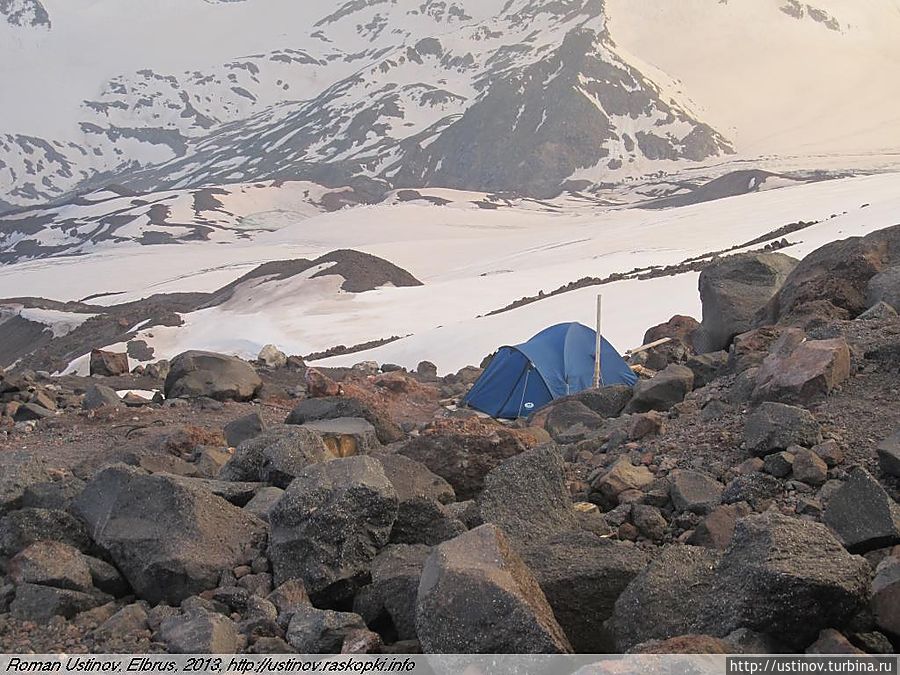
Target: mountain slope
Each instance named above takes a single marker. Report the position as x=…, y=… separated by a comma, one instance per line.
x=378, y=90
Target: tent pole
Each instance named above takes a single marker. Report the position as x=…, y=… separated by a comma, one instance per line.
x=598, y=377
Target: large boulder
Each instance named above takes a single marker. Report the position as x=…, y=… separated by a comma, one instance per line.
x=422, y=514
x=18, y=470
x=582, y=576
x=334, y=407
x=732, y=291
x=330, y=524
x=276, y=456
x=886, y=595
x=780, y=576
x=800, y=370
x=666, y=598
x=787, y=578
x=837, y=274
x=567, y=420
x=21, y=528
x=98, y=396
x=862, y=514
x=527, y=497
x=477, y=596
x=463, y=451
x=412, y=479
x=776, y=426
x=170, y=540
x=889, y=455
x=395, y=585
x=707, y=367
x=885, y=287
x=193, y=374
x=607, y=401
x=680, y=332
x=663, y=390
x=108, y=364
x=52, y=563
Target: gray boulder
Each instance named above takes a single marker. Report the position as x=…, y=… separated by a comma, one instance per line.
x=608, y=401
x=780, y=576
x=333, y=407
x=889, y=455
x=732, y=291
x=196, y=374
x=330, y=524
x=787, y=578
x=237, y=493
x=666, y=598
x=39, y=604
x=18, y=470
x=862, y=514
x=527, y=497
x=568, y=420
x=263, y=501
x=98, y=396
x=880, y=311
x=694, y=491
x=199, y=632
x=276, y=456
x=582, y=576
x=885, y=287
x=51, y=563
x=886, y=595
x=776, y=426
x=395, y=584
x=422, y=520
x=55, y=495
x=462, y=454
x=321, y=631
x=19, y=529
x=107, y=578
x=707, y=367
x=169, y=540
x=477, y=596
x=412, y=479
x=664, y=390
x=244, y=428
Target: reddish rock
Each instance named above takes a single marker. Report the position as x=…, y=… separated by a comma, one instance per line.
x=716, y=530
x=800, y=371
x=108, y=364
x=319, y=385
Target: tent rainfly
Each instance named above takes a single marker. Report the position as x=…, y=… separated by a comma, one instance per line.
x=556, y=362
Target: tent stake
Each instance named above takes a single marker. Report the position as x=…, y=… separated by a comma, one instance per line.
x=598, y=377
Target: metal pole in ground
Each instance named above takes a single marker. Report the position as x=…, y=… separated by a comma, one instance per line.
x=598, y=373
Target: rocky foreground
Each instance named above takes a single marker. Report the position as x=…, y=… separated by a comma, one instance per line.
x=742, y=498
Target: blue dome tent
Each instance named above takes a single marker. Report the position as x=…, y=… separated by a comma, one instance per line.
x=556, y=362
